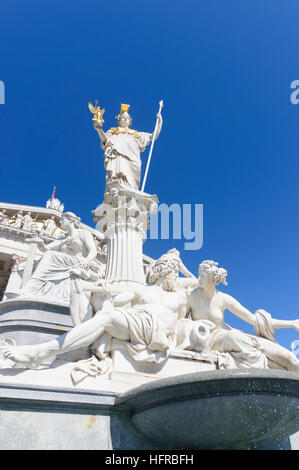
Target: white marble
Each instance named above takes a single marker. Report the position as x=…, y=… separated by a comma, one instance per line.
x=234, y=348
x=55, y=204
x=155, y=313
x=123, y=219
x=72, y=257
x=47, y=222
x=150, y=320
x=122, y=146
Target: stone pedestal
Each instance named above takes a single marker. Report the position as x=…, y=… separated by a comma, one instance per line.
x=133, y=373
x=31, y=321
x=220, y=409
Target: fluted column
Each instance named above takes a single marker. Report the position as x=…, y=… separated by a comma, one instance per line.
x=123, y=218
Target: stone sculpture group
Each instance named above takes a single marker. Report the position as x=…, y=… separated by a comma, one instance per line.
x=153, y=313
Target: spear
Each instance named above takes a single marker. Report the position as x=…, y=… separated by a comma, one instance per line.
x=152, y=146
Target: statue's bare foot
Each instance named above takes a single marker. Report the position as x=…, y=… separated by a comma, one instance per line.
x=28, y=356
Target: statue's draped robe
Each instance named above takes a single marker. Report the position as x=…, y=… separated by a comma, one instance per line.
x=151, y=329
x=153, y=336
x=231, y=348
x=53, y=277
x=122, y=156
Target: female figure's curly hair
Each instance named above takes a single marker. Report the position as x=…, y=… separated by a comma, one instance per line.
x=211, y=268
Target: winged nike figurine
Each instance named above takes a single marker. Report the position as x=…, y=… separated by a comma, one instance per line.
x=97, y=113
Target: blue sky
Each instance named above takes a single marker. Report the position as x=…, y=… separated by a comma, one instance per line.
x=230, y=138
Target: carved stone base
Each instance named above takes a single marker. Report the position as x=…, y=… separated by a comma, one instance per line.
x=218, y=409
x=126, y=370
x=201, y=410
x=33, y=321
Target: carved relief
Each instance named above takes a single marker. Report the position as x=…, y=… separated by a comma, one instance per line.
x=16, y=261
x=4, y=220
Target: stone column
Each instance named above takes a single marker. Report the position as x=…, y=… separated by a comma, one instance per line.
x=123, y=218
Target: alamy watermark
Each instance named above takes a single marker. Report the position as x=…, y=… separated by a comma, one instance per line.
x=182, y=226
x=294, y=97
x=2, y=92
x=163, y=222
x=295, y=347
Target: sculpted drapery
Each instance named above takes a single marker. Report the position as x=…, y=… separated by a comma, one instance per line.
x=122, y=146
x=62, y=263
x=122, y=155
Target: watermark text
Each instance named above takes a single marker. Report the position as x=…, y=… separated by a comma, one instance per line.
x=2, y=92
x=294, y=97
x=295, y=347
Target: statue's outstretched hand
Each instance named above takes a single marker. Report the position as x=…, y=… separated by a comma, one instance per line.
x=98, y=124
x=296, y=325
x=158, y=127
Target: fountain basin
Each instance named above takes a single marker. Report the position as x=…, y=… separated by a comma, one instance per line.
x=216, y=409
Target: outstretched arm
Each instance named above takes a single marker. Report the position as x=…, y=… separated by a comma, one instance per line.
x=54, y=245
x=42, y=245
x=91, y=249
x=185, y=271
x=237, y=309
x=277, y=324
x=121, y=296
x=101, y=133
